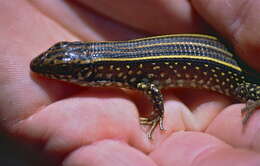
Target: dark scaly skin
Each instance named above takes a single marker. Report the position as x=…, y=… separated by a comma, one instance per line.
x=149, y=65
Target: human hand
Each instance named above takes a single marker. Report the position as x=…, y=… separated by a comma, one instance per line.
x=93, y=126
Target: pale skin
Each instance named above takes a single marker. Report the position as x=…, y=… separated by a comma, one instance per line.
x=99, y=126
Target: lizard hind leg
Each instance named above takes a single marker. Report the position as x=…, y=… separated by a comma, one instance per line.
x=249, y=109
x=249, y=92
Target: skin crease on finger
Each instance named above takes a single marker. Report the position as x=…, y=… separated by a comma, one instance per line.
x=54, y=123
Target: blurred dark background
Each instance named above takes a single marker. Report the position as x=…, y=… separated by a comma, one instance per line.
x=13, y=153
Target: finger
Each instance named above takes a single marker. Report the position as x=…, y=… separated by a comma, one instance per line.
x=203, y=107
x=84, y=22
x=228, y=126
x=105, y=153
x=238, y=21
x=81, y=120
x=156, y=17
x=192, y=148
